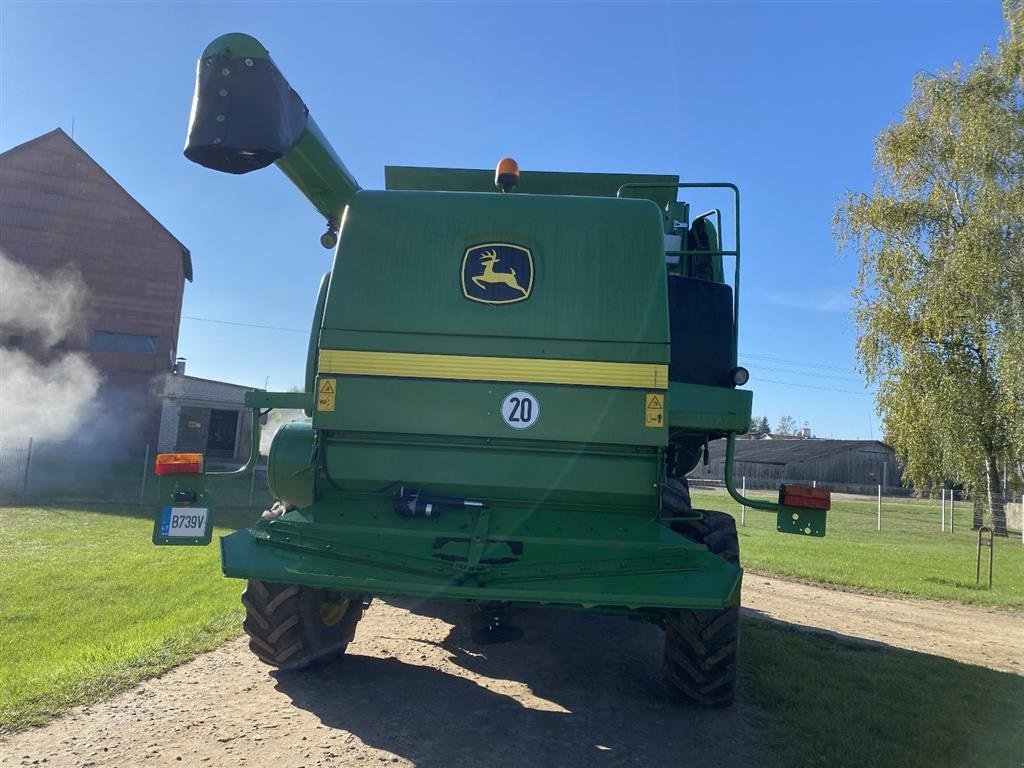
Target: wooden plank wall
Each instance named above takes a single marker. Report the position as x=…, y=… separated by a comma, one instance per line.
x=58, y=208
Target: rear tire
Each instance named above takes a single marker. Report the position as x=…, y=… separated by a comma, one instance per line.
x=702, y=647
x=291, y=626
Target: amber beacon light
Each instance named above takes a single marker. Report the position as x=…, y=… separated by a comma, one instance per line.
x=506, y=175
x=179, y=464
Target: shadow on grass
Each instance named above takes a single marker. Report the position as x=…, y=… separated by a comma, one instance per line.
x=833, y=700
x=576, y=690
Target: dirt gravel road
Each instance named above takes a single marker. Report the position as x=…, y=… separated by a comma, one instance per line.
x=993, y=639
x=413, y=689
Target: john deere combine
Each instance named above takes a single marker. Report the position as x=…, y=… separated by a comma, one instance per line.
x=507, y=380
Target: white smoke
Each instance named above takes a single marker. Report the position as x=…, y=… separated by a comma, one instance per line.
x=47, y=308
x=43, y=394
x=45, y=401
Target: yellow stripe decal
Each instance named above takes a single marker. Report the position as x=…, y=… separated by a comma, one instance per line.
x=587, y=373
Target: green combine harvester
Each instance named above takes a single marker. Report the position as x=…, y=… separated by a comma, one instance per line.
x=508, y=379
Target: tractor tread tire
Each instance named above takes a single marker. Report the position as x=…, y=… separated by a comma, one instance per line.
x=675, y=496
x=285, y=628
x=702, y=647
x=700, y=655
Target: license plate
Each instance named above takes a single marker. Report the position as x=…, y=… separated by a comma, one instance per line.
x=183, y=525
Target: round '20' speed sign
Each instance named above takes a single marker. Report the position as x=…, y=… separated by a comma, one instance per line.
x=520, y=409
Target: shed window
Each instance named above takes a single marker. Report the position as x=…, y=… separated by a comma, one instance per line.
x=133, y=343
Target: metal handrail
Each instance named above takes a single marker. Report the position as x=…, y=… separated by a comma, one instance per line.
x=730, y=448
x=736, y=236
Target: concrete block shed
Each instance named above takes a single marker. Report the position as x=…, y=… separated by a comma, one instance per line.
x=204, y=416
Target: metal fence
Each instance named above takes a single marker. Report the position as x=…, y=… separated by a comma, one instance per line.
x=34, y=470
x=948, y=510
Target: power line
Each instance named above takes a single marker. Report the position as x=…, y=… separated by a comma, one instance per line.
x=244, y=325
x=847, y=378
x=797, y=362
x=811, y=386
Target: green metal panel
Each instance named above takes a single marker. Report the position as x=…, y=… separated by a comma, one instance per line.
x=599, y=268
x=461, y=344
x=313, y=347
x=531, y=182
x=801, y=521
x=526, y=471
x=473, y=409
x=715, y=410
x=290, y=472
x=291, y=401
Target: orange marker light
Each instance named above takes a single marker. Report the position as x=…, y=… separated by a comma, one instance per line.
x=179, y=464
x=506, y=175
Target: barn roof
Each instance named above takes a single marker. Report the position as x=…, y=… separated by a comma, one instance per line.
x=58, y=133
x=790, y=451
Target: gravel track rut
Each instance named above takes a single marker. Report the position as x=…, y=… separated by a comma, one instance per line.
x=577, y=690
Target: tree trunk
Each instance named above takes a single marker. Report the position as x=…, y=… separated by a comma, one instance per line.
x=995, y=496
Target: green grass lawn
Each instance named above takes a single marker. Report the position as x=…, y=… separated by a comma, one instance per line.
x=89, y=606
x=909, y=556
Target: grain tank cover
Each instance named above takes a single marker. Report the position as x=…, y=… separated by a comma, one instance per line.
x=658, y=187
x=414, y=271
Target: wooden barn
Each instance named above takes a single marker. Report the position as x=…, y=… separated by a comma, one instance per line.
x=60, y=210
x=853, y=466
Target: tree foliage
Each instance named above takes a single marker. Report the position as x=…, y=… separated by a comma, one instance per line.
x=939, y=302
x=759, y=426
x=786, y=426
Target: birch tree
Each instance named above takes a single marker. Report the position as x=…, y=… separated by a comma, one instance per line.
x=939, y=301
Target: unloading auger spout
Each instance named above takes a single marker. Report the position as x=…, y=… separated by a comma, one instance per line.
x=246, y=116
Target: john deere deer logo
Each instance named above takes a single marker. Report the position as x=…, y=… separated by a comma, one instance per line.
x=492, y=276
x=497, y=273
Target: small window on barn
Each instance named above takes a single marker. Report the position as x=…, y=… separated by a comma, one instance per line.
x=133, y=343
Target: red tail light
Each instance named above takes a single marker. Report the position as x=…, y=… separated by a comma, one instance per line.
x=179, y=464
x=805, y=496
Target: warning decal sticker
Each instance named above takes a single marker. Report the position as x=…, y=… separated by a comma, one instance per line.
x=654, y=410
x=325, y=394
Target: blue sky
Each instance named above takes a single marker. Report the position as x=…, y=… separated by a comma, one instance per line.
x=783, y=99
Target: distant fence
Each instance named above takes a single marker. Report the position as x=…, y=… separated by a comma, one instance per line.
x=33, y=470
x=948, y=509
x=700, y=477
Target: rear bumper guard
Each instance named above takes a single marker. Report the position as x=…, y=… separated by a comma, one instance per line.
x=656, y=568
